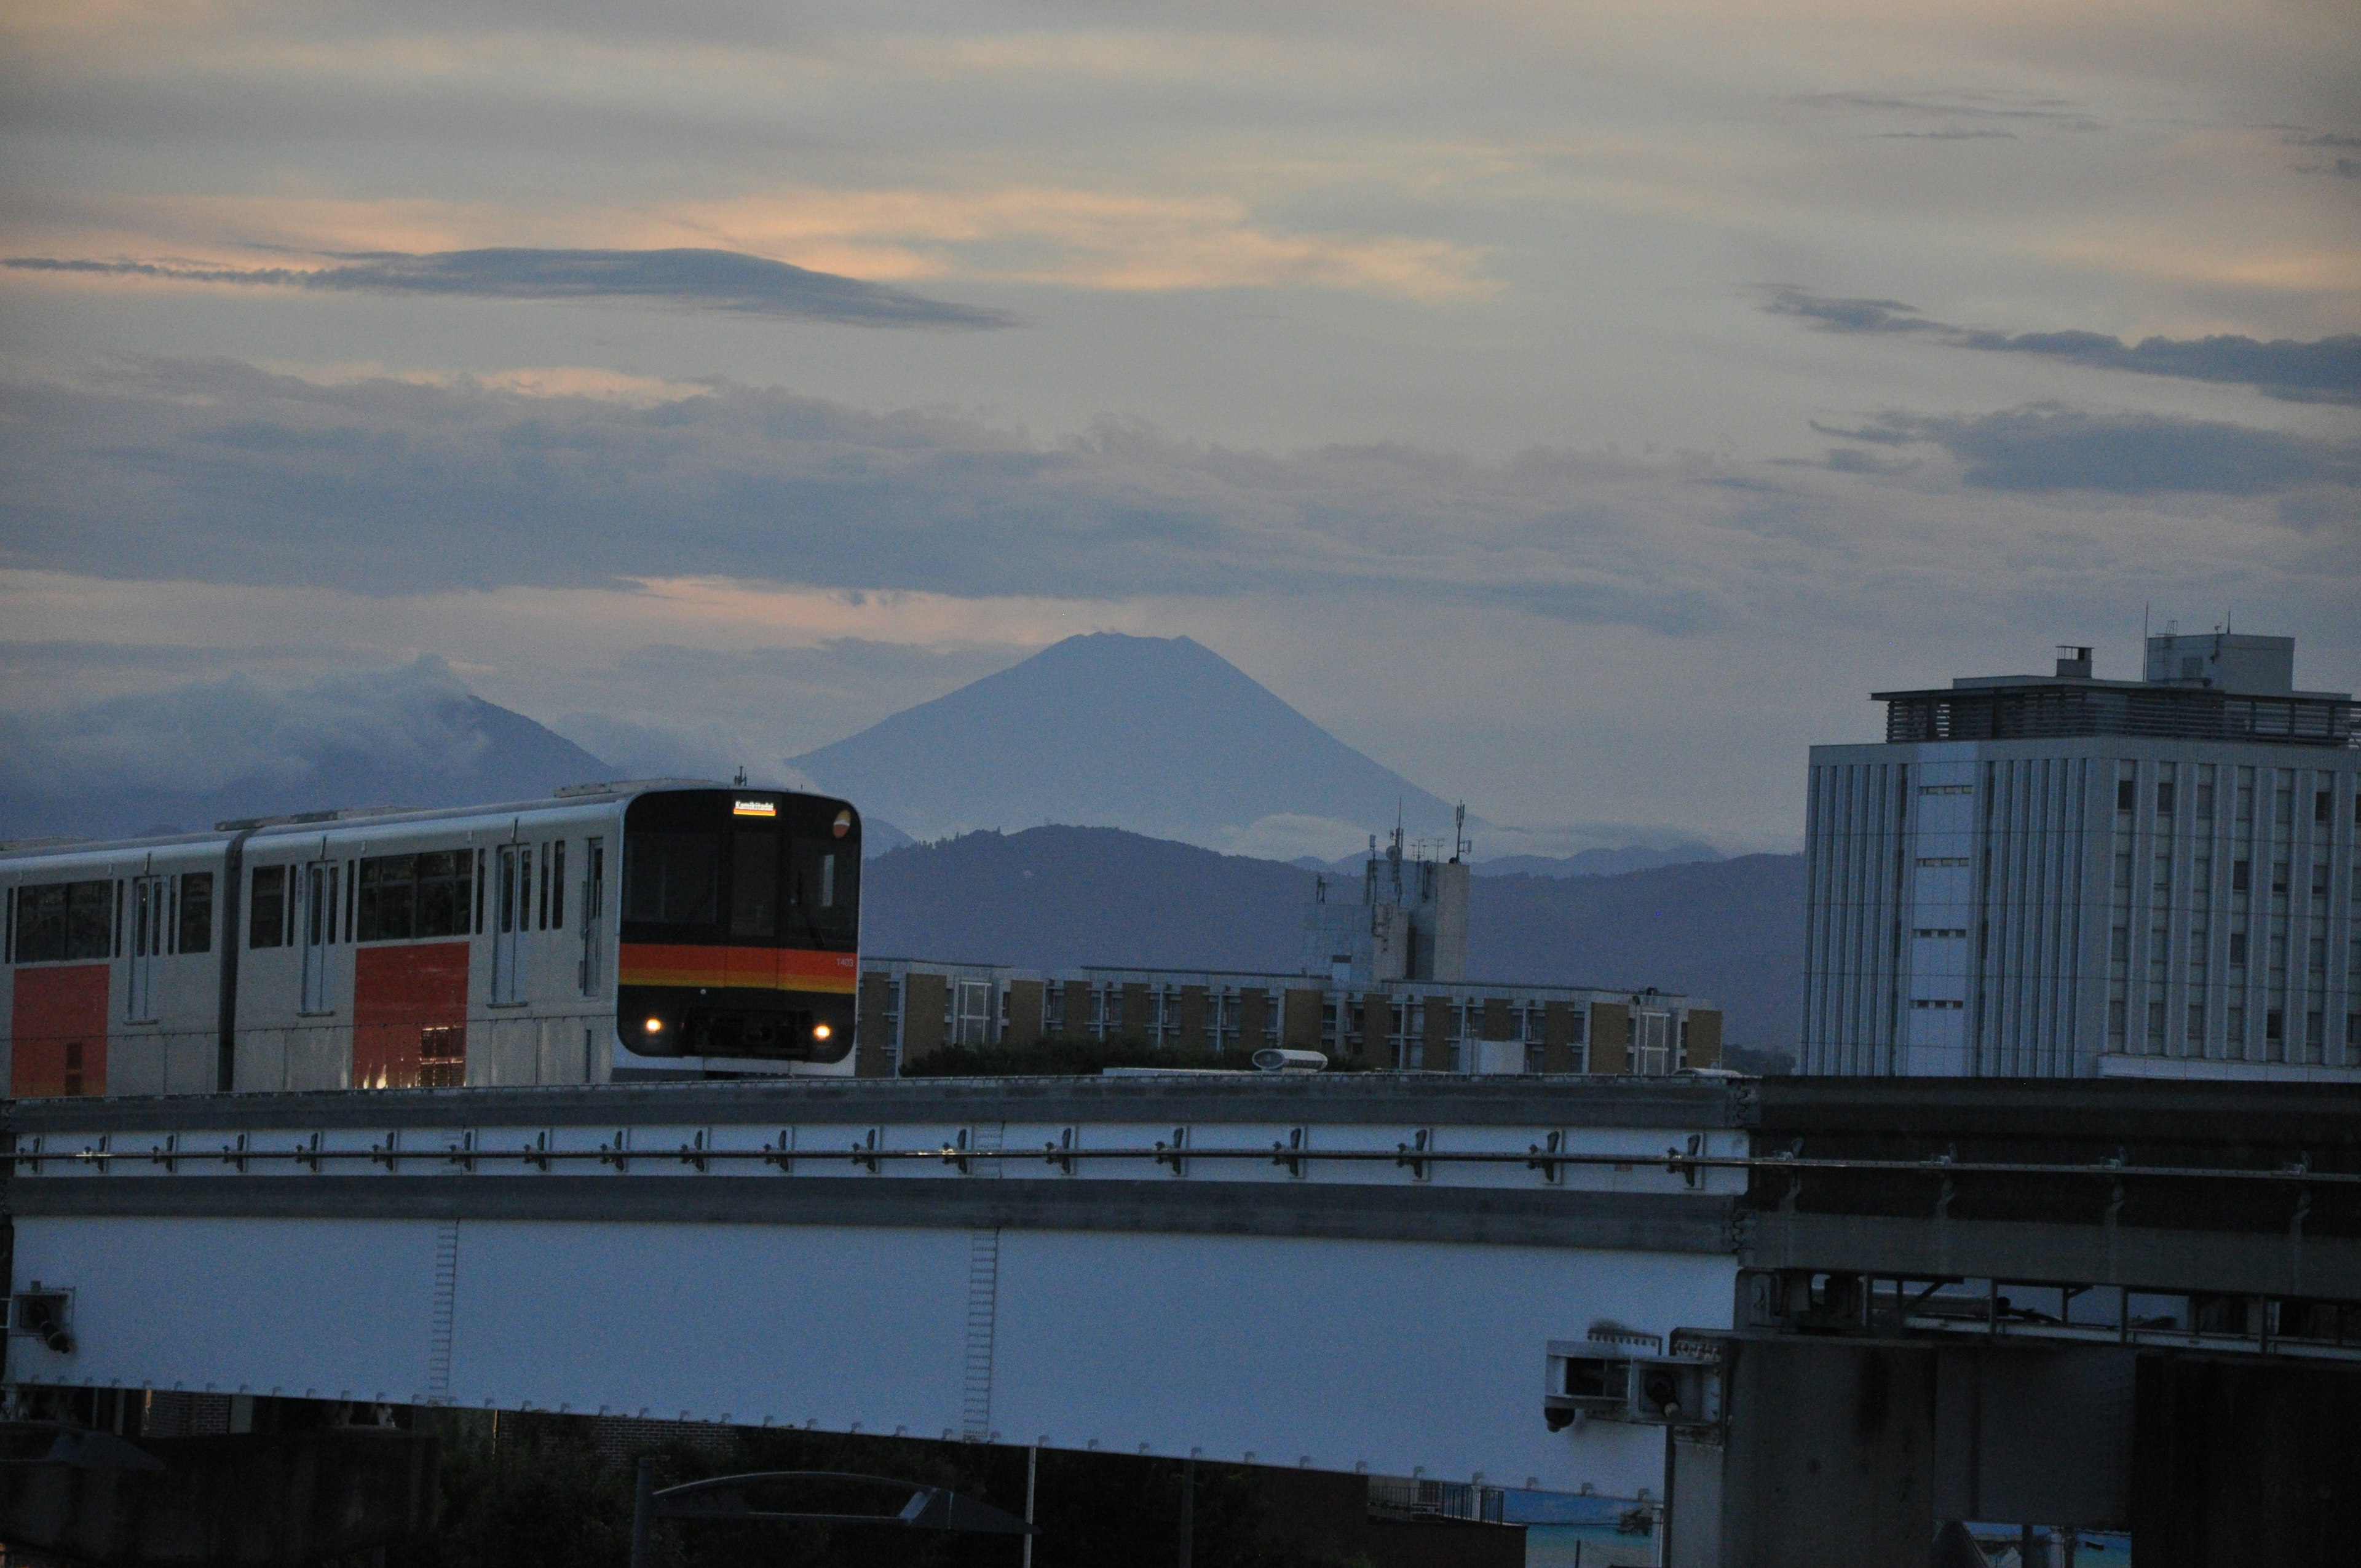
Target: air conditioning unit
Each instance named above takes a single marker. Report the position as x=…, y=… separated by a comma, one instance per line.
x=1622, y=1377
x=44, y=1315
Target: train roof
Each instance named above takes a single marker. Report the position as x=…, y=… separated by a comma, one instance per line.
x=292, y=822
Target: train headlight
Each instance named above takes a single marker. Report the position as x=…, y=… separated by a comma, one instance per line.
x=655, y=1026
x=821, y=1031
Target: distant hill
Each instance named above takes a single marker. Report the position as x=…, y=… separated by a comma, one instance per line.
x=1585, y=863
x=182, y=761
x=1159, y=736
x=1059, y=897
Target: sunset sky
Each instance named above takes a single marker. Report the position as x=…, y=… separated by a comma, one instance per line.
x=1578, y=408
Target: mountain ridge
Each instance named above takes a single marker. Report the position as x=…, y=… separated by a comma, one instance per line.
x=1056, y=897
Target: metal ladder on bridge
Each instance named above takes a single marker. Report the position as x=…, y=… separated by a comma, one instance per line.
x=983, y=1304
x=446, y=1304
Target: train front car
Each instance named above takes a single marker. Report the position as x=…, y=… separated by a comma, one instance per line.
x=739, y=935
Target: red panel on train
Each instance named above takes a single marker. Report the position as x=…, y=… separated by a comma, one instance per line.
x=60, y=1025
x=409, y=1015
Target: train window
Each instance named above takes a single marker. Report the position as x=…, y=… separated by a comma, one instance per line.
x=389, y=898
x=63, y=920
x=444, y=894
x=196, y=919
x=822, y=892
x=755, y=883
x=668, y=878
x=266, y=924
x=408, y=896
x=557, y=885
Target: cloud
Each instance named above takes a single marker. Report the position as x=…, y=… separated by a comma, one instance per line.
x=2344, y=166
x=206, y=736
x=1980, y=110
x=2049, y=447
x=702, y=280
x=2325, y=371
x=398, y=486
x=695, y=750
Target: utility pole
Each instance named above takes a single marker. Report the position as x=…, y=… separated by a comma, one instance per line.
x=1188, y=1512
x=643, y=1511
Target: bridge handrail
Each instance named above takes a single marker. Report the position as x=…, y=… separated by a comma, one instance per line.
x=470, y=1156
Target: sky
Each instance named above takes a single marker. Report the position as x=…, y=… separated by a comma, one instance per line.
x=1579, y=409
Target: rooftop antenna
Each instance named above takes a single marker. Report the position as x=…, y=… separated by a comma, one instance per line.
x=1459, y=844
x=740, y=780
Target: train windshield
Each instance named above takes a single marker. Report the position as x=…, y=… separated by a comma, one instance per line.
x=737, y=869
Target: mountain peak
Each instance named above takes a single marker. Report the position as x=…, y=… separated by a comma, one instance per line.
x=1159, y=735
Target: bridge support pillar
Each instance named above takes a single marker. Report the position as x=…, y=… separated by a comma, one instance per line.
x=2239, y=1463
x=1830, y=1458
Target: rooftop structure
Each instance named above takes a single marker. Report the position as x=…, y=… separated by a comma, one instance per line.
x=2215, y=687
x=1410, y=922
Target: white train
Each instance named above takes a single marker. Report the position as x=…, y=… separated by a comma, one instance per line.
x=646, y=929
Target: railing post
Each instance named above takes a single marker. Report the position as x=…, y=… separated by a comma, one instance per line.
x=1032, y=1474
x=643, y=1508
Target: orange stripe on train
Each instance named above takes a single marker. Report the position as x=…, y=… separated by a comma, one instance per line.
x=765, y=968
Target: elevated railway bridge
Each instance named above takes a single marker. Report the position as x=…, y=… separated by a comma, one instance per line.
x=1809, y=1319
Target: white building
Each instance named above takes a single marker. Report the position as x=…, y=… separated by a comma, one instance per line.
x=2055, y=876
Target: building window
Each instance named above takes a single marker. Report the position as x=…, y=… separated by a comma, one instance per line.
x=2278, y=876
x=2205, y=800
x=2274, y=1023
x=2241, y=876
x=2238, y=950
x=2155, y=1023
x=2315, y=1035
x=2115, y=1019
x=2159, y=945
x=2164, y=797
x=2235, y=1029
x=2197, y=1020
x=2319, y=879
x=2324, y=806
x=2126, y=794
x=2119, y=945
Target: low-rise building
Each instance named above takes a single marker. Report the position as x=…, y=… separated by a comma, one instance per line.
x=910, y=1008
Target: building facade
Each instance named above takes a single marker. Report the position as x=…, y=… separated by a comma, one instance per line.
x=911, y=1008
x=2063, y=876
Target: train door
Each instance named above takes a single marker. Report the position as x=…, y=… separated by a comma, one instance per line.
x=513, y=897
x=318, y=917
x=147, y=913
x=594, y=915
